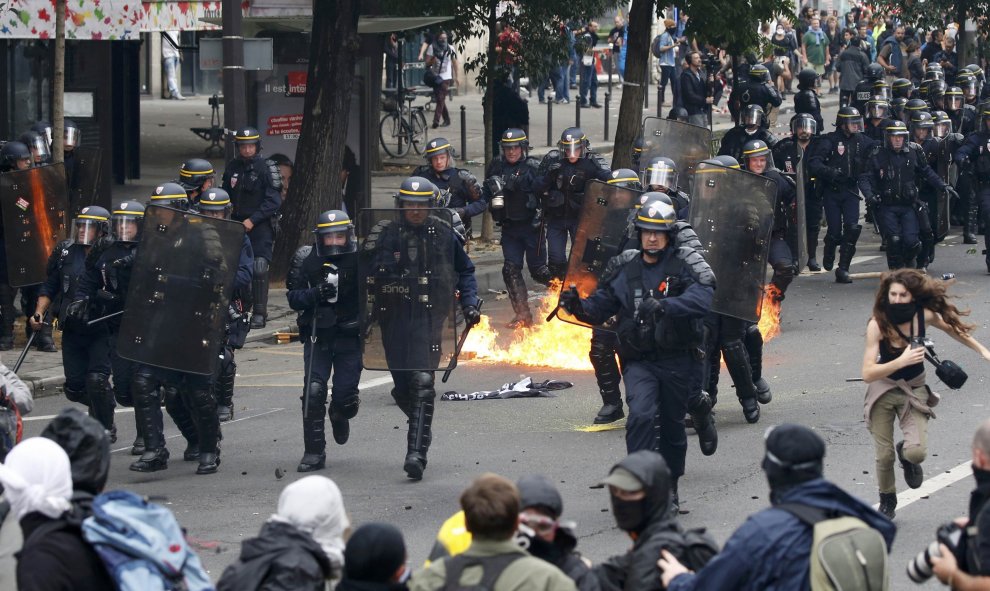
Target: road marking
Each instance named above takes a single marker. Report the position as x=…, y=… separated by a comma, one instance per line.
x=50, y=417
x=864, y=259
x=598, y=428
x=260, y=414
x=265, y=375
x=932, y=485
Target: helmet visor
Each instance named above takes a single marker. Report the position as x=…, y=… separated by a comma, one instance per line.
x=572, y=149
x=752, y=118
x=804, y=124
x=86, y=231
x=660, y=175
x=878, y=110
x=942, y=129
x=968, y=88
x=921, y=133
x=72, y=137
x=332, y=243
x=40, y=149
x=126, y=228
x=953, y=102
x=852, y=124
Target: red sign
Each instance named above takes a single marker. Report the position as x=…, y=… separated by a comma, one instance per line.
x=295, y=84
x=287, y=126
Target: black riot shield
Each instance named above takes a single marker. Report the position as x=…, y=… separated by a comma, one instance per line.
x=801, y=214
x=85, y=181
x=948, y=171
x=180, y=290
x=732, y=212
x=408, y=288
x=34, y=205
x=685, y=144
x=601, y=232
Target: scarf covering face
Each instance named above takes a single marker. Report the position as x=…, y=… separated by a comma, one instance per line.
x=37, y=477
x=314, y=505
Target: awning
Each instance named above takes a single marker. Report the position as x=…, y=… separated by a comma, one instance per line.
x=104, y=19
x=367, y=25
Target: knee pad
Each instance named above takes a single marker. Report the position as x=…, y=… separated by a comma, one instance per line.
x=203, y=401
x=260, y=266
x=144, y=388
x=602, y=348
x=784, y=269
x=77, y=395
x=98, y=384
x=510, y=270
x=700, y=405
x=317, y=393
x=541, y=275
x=348, y=409
x=421, y=383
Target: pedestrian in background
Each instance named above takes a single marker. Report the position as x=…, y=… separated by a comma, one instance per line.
x=170, y=63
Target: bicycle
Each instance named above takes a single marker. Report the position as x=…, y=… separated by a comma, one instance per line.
x=403, y=127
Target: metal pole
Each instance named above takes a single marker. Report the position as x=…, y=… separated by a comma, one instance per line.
x=646, y=84
x=608, y=99
x=659, y=101
x=463, y=133
x=577, y=103
x=549, y=122
x=611, y=64
x=234, y=97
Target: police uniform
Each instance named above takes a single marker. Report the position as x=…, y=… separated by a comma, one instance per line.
x=255, y=189
x=927, y=205
x=459, y=189
x=787, y=159
x=734, y=139
x=336, y=349
x=759, y=91
x=974, y=156
x=806, y=99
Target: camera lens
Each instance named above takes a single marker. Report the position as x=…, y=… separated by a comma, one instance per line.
x=919, y=569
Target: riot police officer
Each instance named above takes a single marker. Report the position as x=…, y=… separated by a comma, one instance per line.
x=787, y=155
x=967, y=82
x=563, y=174
x=964, y=117
x=404, y=249
x=864, y=89
x=757, y=159
x=877, y=117
x=105, y=284
x=13, y=156
x=323, y=288
x=660, y=175
x=508, y=188
x=254, y=184
x=752, y=122
x=196, y=176
x=902, y=88
x=890, y=181
x=974, y=157
x=637, y=152
x=216, y=203
x=40, y=150
x=459, y=189
x=920, y=127
x=660, y=331
x=760, y=92
x=86, y=349
x=836, y=163
x=806, y=99
x=965, y=120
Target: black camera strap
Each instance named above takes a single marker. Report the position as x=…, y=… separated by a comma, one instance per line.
x=930, y=354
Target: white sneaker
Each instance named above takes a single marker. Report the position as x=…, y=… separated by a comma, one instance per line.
x=178, y=97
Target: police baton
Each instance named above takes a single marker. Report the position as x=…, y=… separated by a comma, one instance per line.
x=104, y=318
x=460, y=345
x=27, y=347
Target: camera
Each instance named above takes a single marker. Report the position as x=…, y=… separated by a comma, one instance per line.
x=919, y=569
x=333, y=279
x=711, y=63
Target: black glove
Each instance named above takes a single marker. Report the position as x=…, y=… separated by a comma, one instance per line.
x=124, y=262
x=555, y=166
x=951, y=192
x=327, y=291
x=872, y=201
x=78, y=310
x=570, y=301
x=472, y=315
x=649, y=308
x=105, y=297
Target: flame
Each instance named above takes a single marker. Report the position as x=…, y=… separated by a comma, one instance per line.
x=556, y=344
x=770, y=318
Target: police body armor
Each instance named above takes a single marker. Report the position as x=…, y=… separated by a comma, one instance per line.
x=982, y=163
x=806, y=101
x=862, y=93
x=566, y=194
x=310, y=270
x=897, y=185
x=520, y=205
x=964, y=120
x=848, y=156
x=248, y=192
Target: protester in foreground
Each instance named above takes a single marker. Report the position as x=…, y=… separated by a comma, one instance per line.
x=375, y=560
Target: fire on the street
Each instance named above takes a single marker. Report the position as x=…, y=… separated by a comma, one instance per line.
x=563, y=345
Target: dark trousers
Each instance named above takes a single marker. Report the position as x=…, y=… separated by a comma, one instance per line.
x=440, y=96
x=521, y=239
x=983, y=198
x=841, y=209
x=899, y=220
x=558, y=229
x=589, y=81
x=123, y=374
x=262, y=238
x=331, y=361
x=813, y=216
x=85, y=351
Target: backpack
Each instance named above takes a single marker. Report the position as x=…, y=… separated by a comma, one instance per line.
x=846, y=553
x=655, y=46
x=492, y=568
x=142, y=545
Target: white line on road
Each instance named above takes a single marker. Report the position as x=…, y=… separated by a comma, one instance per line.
x=933, y=485
x=864, y=259
x=50, y=417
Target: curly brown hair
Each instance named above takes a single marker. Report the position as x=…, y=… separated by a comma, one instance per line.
x=926, y=292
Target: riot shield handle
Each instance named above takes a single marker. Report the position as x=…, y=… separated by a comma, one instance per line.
x=460, y=345
x=27, y=347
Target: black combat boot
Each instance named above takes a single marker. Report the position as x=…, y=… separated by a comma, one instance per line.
x=340, y=416
x=675, y=500
x=420, y=424
x=224, y=388
x=888, y=503
x=148, y=415
x=754, y=348
x=602, y=355
x=259, y=293
x=515, y=285
x=914, y=474
x=101, y=402
x=813, y=251
x=828, y=251
x=183, y=419
x=737, y=362
x=314, y=429
x=203, y=407
x=971, y=225
x=558, y=270
x=849, y=238
x=700, y=413
x=138, y=447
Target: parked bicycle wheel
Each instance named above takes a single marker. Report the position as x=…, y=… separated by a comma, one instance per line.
x=393, y=135
x=419, y=127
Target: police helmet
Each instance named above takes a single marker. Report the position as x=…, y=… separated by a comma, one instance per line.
x=874, y=72
x=416, y=189
x=572, y=142
x=921, y=120
x=966, y=81
x=915, y=105
x=881, y=89
x=953, y=99
x=902, y=87
x=125, y=223
x=247, y=136
x=977, y=71
x=660, y=171
x=91, y=217
x=803, y=122
x=651, y=196
x=38, y=144
x=193, y=173
x=751, y=116
x=625, y=178
x=726, y=161
x=44, y=128
x=807, y=78
x=71, y=134
x=755, y=149
x=934, y=72
x=877, y=108
x=943, y=124
x=170, y=195
x=637, y=151
x=514, y=137
x=12, y=153
x=655, y=215
x=677, y=114
x=760, y=73
x=895, y=129
x=985, y=118
x=897, y=104
x=436, y=147
x=936, y=88
x=214, y=200
x=850, y=119
x=334, y=234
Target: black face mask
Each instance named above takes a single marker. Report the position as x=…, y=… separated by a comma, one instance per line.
x=629, y=515
x=901, y=313
x=543, y=549
x=982, y=476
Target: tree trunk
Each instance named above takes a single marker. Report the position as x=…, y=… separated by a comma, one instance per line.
x=330, y=80
x=58, y=85
x=488, y=104
x=635, y=85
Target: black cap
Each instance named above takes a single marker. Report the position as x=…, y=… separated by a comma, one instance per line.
x=536, y=490
x=374, y=552
x=795, y=448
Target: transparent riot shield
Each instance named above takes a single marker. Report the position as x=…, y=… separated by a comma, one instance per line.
x=180, y=289
x=34, y=205
x=732, y=212
x=801, y=214
x=602, y=231
x=685, y=144
x=408, y=288
x=85, y=181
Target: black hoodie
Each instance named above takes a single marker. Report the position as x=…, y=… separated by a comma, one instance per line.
x=281, y=558
x=637, y=569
